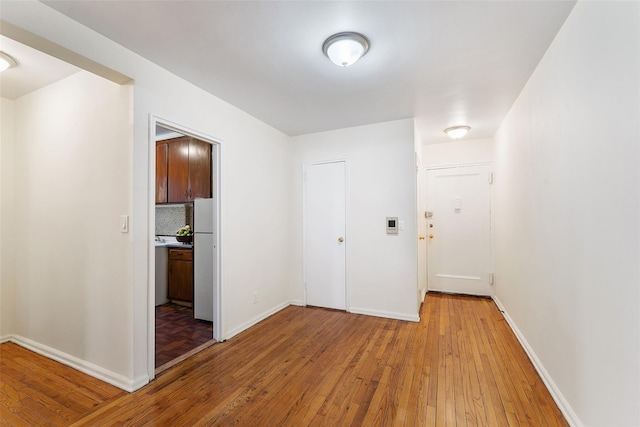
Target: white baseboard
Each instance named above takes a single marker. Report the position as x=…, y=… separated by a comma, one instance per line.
x=299, y=303
x=235, y=331
x=88, y=368
x=5, y=338
x=385, y=314
x=562, y=403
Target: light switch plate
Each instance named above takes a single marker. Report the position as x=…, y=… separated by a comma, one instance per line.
x=124, y=223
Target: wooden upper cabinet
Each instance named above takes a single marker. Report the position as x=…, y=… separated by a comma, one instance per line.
x=199, y=169
x=162, y=155
x=178, y=170
x=188, y=170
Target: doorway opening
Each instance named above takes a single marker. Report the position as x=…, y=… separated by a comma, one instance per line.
x=185, y=297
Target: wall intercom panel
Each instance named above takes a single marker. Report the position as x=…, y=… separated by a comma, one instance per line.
x=392, y=225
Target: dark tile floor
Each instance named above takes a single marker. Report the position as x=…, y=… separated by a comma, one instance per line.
x=177, y=332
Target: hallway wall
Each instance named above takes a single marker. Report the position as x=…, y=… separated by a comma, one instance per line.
x=381, y=181
x=70, y=259
x=567, y=199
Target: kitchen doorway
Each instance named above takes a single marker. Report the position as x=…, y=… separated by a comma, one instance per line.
x=185, y=296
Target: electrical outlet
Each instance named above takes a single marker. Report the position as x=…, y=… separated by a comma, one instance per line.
x=255, y=297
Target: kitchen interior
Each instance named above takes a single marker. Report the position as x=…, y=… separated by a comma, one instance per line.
x=184, y=247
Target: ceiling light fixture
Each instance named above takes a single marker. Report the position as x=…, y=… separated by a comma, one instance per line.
x=6, y=61
x=344, y=49
x=457, y=132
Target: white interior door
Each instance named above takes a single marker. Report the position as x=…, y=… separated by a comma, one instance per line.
x=324, y=234
x=459, y=230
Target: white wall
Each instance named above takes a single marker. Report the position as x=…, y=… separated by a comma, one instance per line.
x=458, y=152
x=256, y=194
x=381, y=182
x=7, y=219
x=72, y=264
x=567, y=198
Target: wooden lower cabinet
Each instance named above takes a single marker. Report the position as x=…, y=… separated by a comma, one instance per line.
x=181, y=274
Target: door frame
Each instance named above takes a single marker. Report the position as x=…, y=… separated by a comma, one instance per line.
x=305, y=166
x=423, y=230
x=216, y=189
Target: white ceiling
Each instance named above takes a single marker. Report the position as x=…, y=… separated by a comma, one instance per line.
x=35, y=69
x=444, y=62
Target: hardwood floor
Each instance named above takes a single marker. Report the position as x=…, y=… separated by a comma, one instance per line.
x=461, y=365
x=177, y=332
x=36, y=391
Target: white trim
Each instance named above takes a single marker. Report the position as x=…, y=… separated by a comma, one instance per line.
x=453, y=276
x=385, y=314
x=456, y=165
x=88, y=368
x=217, y=149
x=422, y=271
x=4, y=339
x=170, y=135
x=246, y=325
x=299, y=303
x=557, y=396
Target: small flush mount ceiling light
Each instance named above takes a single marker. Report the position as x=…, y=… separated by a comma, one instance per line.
x=457, y=132
x=6, y=61
x=344, y=49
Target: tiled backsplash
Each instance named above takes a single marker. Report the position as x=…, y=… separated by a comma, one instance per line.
x=171, y=217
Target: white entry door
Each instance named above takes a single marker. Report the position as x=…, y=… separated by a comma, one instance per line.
x=459, y=230
x=324, y=234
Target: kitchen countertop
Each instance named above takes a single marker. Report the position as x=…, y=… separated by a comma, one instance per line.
x=179, y=245
x=171, y=242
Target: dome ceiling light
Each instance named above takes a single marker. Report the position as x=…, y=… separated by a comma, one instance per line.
x=6, y=61
x=457, y=132
x=344, y=49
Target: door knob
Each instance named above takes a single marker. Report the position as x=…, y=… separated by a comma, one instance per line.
x=431, y=236
x=421, y=237
x=340, y=239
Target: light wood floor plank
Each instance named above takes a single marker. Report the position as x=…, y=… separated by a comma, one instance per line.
x=461, y=365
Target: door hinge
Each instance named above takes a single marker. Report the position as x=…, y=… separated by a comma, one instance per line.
x=491, y=279
x=490, y=177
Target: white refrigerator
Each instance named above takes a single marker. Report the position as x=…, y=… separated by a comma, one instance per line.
x=204, y=251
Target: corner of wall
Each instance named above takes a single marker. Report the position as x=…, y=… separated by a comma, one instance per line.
x=83, y=366
x=7, y=218
x=555, y=392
